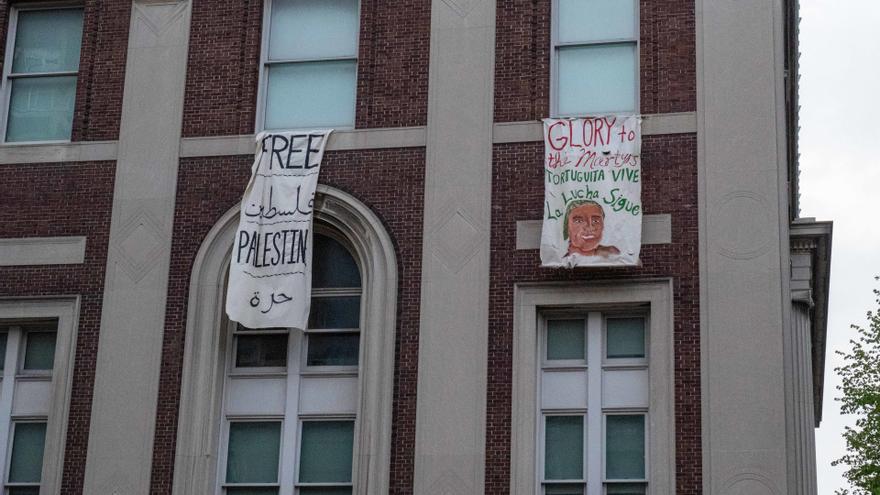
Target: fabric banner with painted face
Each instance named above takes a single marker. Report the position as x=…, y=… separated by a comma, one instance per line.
x=592, y=191
x=270, y=276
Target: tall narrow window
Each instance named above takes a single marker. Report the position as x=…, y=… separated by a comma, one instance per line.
x=291, y=398
x=593, y=404
x=27, y=364
x=595, y=57
x=309, y=64
x=40, y=83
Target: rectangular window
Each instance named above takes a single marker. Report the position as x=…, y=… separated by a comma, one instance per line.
x=566, y=340
x=39, y=350
x=595, y=57
x=625, y=338
x=40, y=83
x=625, y=453
x=564, y=448
x=310, y=64
x=332, y=349
x=593, y=392
x=325, y=457
x=252, y=457
x=26, y=458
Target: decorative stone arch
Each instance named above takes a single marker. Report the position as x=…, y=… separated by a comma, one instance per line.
x=198, y=430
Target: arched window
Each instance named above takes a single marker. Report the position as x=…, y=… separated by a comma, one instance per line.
x=290, y=397
x=281, y=411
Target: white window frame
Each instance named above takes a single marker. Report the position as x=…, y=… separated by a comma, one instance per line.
x=6, y=84
x=263, y=89
x=199, y=441
x=595, y=414
x=296, y=368
x=554, y=56
x=66, y=311
x=531, y=301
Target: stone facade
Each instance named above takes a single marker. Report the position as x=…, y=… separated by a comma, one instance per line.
x=408, y=79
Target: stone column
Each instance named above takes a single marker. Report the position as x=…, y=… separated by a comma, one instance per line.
x=744, y=275
x=129, y=347
x=453, y=338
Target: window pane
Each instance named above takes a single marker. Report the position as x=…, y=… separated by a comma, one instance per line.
x=596, y=20
x=564, y=489
x=333, y=349
x=41, y=108
x=333, y=265
x=313, y=29
x=626, y=489
x=254, y=351
x=564, y=448
x=597, y=79
x=312, y=94
x=326, y=451
x=39, y=353
x=24, y=490
x=253, y=452
x=27, y=453
x=3, y=337
x=335, y=312
x=47, y=40
x=625, y=447
x=251, y=491
x=325, y=490
x=565, y=339
x=625, y=337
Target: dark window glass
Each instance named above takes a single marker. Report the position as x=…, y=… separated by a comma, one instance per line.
x=252, y=456
x=39, y=352
x=26, y=464
x=625, y=337
x=3, y=337
x=333, y=349
x=24, y=490
x=251, y=491
x=335, y=312
x=325, y=490
x=260, y=351
x=626, y=489
x=325, y=453
x=333, y=265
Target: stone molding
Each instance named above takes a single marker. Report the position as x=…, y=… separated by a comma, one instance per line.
x=357, y=139
x=66, y=309
x=195, y=465
x=528, y=301
x=86, y=151
x=42, y=251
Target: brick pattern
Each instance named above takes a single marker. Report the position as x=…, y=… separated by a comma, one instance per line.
x=223, y=67
x=101, y=77
x=522, y=58
x=669, y=186
x=224, y=57
x=64, y=199
x=98, y=109
x=394, y=191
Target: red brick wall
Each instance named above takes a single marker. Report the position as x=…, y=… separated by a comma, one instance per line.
x=394, y=192
x=98, y=107
x=63, y=199
x=224, y=55
x=522, y=58
x=669, y=186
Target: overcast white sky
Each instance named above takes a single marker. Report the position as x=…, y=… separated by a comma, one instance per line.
x=840, y=177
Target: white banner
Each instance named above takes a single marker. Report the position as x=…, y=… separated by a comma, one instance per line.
x=270, y=277
x=592, y=191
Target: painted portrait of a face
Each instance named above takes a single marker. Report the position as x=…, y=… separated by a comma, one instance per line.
x=584, y=226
